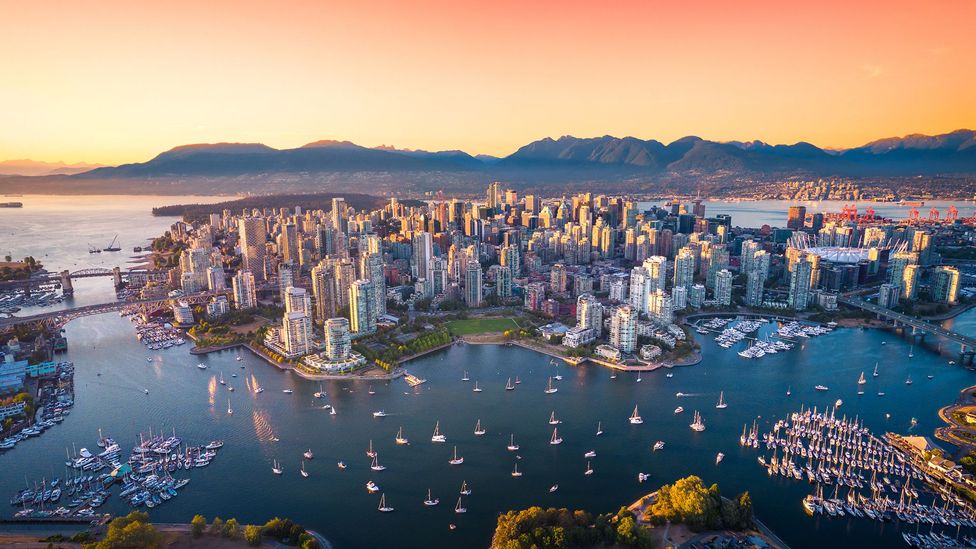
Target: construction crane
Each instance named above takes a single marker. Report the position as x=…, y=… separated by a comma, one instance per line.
x=952, y=215
x=913, y=214
x=868, y=214
x=849, y=212
x=934, y=214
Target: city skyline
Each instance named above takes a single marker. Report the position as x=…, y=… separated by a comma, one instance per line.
x=111, y=83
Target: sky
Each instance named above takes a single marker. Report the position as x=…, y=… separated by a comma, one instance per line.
x=120, y=81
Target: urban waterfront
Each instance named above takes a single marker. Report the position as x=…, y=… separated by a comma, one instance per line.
x=112, y=373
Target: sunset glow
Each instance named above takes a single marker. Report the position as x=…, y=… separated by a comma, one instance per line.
x=116, y=82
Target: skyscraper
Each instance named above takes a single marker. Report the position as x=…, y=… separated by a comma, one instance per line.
x=297, y=301
x=800, y=278
x=589, y=314
x=472, y=284
x=623, y=329
x=371, y=267
x=796, y=217
x=324, y=291
x=660, y=307
x=253, y=235
x=723, y=287
x=337, y=341
x=289, y=243
x=361, y=319
x=656, y=267
x=296, y=333
x=684, y=268
x=945, y=284
x=423, y=251
x=244, y=292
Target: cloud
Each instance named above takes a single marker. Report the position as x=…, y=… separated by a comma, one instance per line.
x=872, y=71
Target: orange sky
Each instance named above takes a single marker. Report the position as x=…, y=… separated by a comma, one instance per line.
x=112, y=82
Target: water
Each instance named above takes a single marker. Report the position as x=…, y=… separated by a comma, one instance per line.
x=57, y=231
x=756, y=213
x=239, y=483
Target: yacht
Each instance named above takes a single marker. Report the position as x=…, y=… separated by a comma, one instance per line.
x=553, y=488
x=556, y=439
x=287, y=391
x=376, y=464
x=400, y=439
x=370, y=453
x=516, y=472
x=838, y=403
x=308, y=454
x=476, y=388
x=438, y=436
x=303, y=472
x=679, y=409
x=669, y=375
x=371, y=487
x=659, y=445
x=908, y=381
x=379, y=413
x=641, y=477
x=509, y=386
x=635, y=418
x=202, y=366
x=457, y=460
x=589, y=470
x=549, y=388
x=430, y=502
x=719, y=458
x=599, y=428
x=789, y=391
x=697, y=425
x=721, y=401
x=341, y=465
x=383, y=507
x=552, y=419
x=276, y=468
x=638, y=377
x=512, y=447
x=230, y=411
x=821, y=388
x=371, y=391
x=458, y=509
x=590, y=454
x=478, y=429
x=465, y=490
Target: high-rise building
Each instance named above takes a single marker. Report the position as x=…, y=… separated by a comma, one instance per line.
x=297, y=301
x=345, y=274
x=503, y=282
x=337, y=341
x=472, y=284
x=684, y=268
x=659, y=306
x=324, y=291
x=296, y=333
x=723, y=287
x=800, y=279
x=909, y=281
x=679, y=298
x=944, y=284
x=922, y=245
x=657, y=269
x=557, y=278
x=618, y=290
x=253, y=235
x=286, y=278
x=696, y=295
x=589, y=314
x=638, y=289
x=289, y=243
x=749, y=248
x=423, y=251
x=754, y=288
x=371, y=268
x=888, y=295
x=215, y=279
x=896, y=266
x=245, y=296
x=796, y=217
x=718, y=259
x=361, y=319
x=623, y=329
x=535, y=295
x=508, y=257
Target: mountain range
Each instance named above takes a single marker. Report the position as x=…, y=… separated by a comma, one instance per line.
x=33, y=167
x=250, y=167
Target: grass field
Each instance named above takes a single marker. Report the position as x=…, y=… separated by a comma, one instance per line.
x=480, y=326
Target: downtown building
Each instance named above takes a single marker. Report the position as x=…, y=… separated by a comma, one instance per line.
x=242, y=286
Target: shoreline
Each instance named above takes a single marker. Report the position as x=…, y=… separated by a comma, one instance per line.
x=369, y=374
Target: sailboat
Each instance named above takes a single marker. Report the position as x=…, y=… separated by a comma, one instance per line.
x=875, y=374
x=478, y=429
x=376, y=463
x=230, y=411
x=517, y=380
x=476, y=388
x=457, y=460
x=254, y=383
x=332, y=411
x=465, y=376
x=516, y=472
x=861, y=380
x=911, y=352
x=383, y=507
x=458, y=509
x=370, y=453
x=512, y=447
x=556, y=439
x=549, y=388
x=721, y=401
x=438, y=436
x=589, y=470
x=638, y=377
x=697, y=425
x=465, y=491
x=909, y=380
x=599, y=428
x=719, y=457
x=276, y=468
x=789, y=391
x=552, y=419
x=308, y=454
x=430, y=502
x=320, y=393
x=371, y=391
x=400, y=439
x=635, y=418
x=222, y=382
x=509, y=386
x=303, y=471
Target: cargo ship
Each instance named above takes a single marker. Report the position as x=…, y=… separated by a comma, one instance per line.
x=11, y=204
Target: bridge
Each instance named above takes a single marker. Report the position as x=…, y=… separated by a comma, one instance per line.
x=919, y=327
x=65, y=277
x=55, y=320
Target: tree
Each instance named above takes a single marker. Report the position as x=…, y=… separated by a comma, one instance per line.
x=197, y=525
x=252, y=534
x=232, y=529
x=217, y=526
x=131, y=531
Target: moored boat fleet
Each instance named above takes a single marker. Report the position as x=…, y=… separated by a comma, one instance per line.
x=157, y=335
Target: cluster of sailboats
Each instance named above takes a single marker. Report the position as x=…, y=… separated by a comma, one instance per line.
x=831, y=450
x=157, y=336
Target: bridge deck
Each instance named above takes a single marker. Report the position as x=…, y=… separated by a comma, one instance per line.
x=919, y=324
